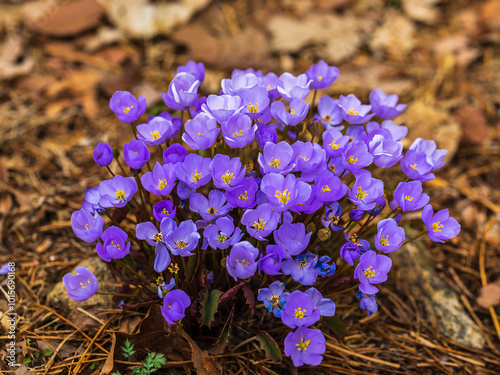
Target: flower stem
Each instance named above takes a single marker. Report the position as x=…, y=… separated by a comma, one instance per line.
x=414, y=238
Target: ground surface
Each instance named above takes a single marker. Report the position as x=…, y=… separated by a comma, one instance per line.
x=62, y=60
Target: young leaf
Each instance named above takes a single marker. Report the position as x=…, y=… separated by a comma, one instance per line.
x=128, y=349
x=209, y=307
x=336, y=324
x=92, y=366
x=26, y=361
x=270, y=346
x=47, y=352
x=153, y=362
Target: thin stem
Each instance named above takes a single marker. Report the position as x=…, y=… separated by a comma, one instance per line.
x=118, y=295
x=414, y=238
x=110, y=171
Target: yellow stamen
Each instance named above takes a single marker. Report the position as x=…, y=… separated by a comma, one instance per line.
x=243, y=262
x=120, y=194
x=160, y=280
x=352, y=160
x=274, y=163
x=158, y=237
x=320, y=78
x=351, y=111
x=181, y=244
x=127, y=110
x=283, y=197
x=253, y=108
x=227, y=177
x=173, y=268
x=303, y=262
x=326, y=188
x=299, y=313
x=87, y=226
x=84, y=285
x=384, y=241
x=155, y=134
x=436, y=227
x=275, y=300
x=239, y=134
x=165, y=212
x=197, y=176
x=211, y=210
x=116, y=245
x=408, y=198
x=303, y=157
x=244, y=197
x=162, y=184
x=259, y=225
x=360, y=194
x=334, y=146
x=303, y=344
x=292, y=111
x=221, y=238
x=414, y=166
x=369, y=272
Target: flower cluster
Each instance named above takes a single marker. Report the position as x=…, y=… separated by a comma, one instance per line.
x=258, y=186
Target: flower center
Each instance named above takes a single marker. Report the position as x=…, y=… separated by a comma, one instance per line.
x=326, y=188
x=120, y=194
x=334, y=146
x=259, y=225
x=384, y=241
x=181, y=244
x=275, y=301
x=408, y=198
x=274, y=163
x=299, y=313
x=165, y=212
x=355, y=239
x=161, y=184
x=84, y=285
x=127, y=109
x=158, y=237
x=227, y=177
x=173, y=268
x=115, y=245
x=155, y=134
x=244, y=197
x=369, y=272
x=303, y=344
x=243, y=262
x=253, y=108
x=414, y=166
x=436, y=227
x=303, y=262
x=87, y=226
x=305, y=158
x=211, y=210
x=352, y=160
x=351, y=111
x=360, y=193
x=334, y=219
x=239, y=134
x=283, y=197
x=196, y=176
x=221, y=238
x=292, y=111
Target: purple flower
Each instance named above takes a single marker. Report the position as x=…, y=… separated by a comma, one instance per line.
x=398, y=132
x=325, y=306
x=389, y=236
x=329, y=113
x=91, y=200
x=271, y=262
x=241, y=261
x=285, y=192
x=174, y=126
x=147, y=231
x=255, y=101
x=174, y=306
x=81, y=286
x=291, y=87
x=305, y=346
x=135, y=153
x=194, y=170
x=227, y=173
x=410, y=197
x=103, y=154
x=117, y=191
x=334, y=142
x=356, y=156
x=174, y=154
x=212, y=208
x=184, y=191
x=292, y=238
x=164, y=209
x=433, y=156
x=221, y=107
x=271, y=81
x=222, y=234
x=86, y=226
x=274, y=297
x=201, y=132
x=328, y=187
x=182, y=91
x=276, y=158
x=356, y=215
x=194, y=68
x=386, y=152
x=126, y=107
x=238, y=131
x=156, y=131
x=183, y=239
x=440, y=226
x=302, y=268
x=261, y=221
x=372, y=269
x=5, y=269
x=324, y=269
x=298, y=111
x=308, y=158
x=240, y=81
x=350, y=252
x=368, y=303
x=114, y=246
x=322, y=75
x=266, y=134
x=332, y=216
x=416, y=167
x=300, y=310
x=385, y=106
x=353, y=111
x=161, y=181
x=196, y=107
x=244, y=194
x=163, y=287
x=365, y=191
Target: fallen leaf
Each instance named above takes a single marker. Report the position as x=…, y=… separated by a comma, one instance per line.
x=489, y=14
x=146, y=19
x=14, y=61
x=66, y=18
x=473, y=124
x=490, y=295
x=340, y=36
x=395, y=36
x=421, y=10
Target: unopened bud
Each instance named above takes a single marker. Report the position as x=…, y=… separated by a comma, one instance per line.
x=311, y=227
x=324, y=234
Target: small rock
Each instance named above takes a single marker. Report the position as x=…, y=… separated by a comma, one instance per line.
x=440, y=301
x=58, y=297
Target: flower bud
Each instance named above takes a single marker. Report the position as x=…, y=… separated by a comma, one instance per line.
x=311, y=227
x=324, y=234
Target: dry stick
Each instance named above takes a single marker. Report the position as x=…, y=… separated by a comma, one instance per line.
x=484, y=281
x=53, y=356
x=92, y=342
x=73, y=325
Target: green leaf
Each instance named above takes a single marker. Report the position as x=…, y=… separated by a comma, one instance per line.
x=209, y=307
x=336, y=324
x=92, y=366
x=128, y=349
x=37, y=355
x=153, y=362
x=191, y=266
x=269, y=345
x=26, y=361
x=47, y=352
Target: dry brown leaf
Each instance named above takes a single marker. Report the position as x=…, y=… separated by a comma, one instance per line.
x=395, y=36
x=421, y=10
x=65, y=19
x=14, y=61
x=474, y=125
x=490, y=14
x=490, y=295
x=9, y=15
x=145, y=19
x=340, y=36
